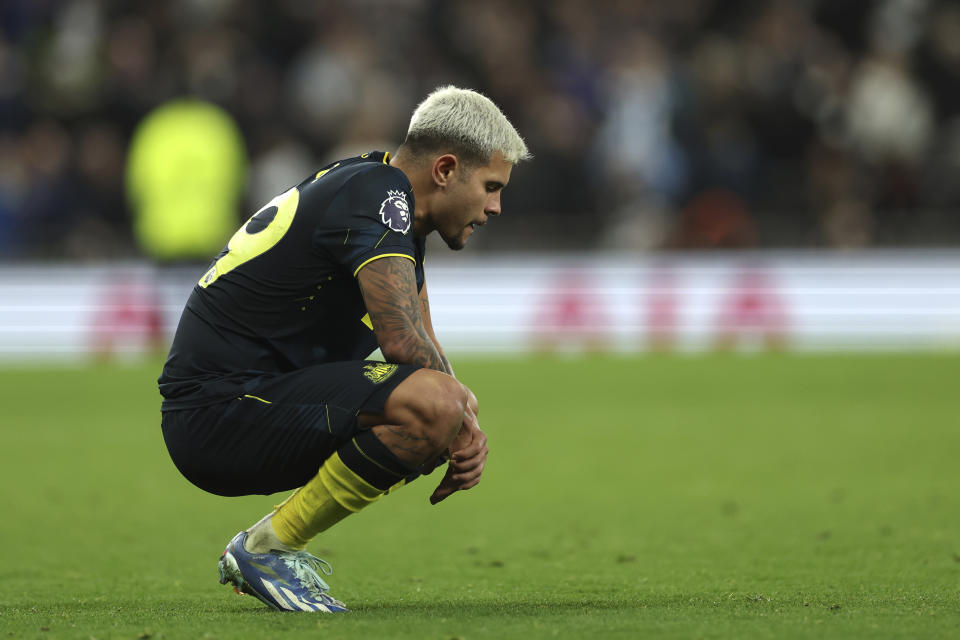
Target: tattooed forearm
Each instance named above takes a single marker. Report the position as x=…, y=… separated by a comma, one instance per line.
x=425, y=313
x=446, y=365
x=389, y=287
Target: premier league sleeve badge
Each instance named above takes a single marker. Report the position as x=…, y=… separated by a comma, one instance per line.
x=395, y=212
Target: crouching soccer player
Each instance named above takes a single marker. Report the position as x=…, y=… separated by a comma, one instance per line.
x=266, y=388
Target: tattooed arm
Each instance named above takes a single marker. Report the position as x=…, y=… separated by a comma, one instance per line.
x=389, y=287
x=428, y=325
x=401, y=320
x=470, y=421
x=468, y=451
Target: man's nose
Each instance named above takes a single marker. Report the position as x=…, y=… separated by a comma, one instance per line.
x=493, y=206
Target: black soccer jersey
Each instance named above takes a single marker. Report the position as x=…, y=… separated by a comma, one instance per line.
x=283, y=294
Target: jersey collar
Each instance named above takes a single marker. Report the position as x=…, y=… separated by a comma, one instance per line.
x=377, y=156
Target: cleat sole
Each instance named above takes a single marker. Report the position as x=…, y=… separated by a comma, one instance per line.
x=230, y=573
x=229, y=570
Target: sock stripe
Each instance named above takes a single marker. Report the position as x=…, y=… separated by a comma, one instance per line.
x=371, y=468
x=359, y=450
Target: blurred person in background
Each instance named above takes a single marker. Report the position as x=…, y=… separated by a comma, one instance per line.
x=642, y=168
x=186, y=170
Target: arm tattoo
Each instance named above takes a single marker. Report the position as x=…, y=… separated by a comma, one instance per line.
x=425, y=313
x=446, y=365
x=389, y=287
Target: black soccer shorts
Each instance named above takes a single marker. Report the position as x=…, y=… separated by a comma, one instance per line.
x=276, y=436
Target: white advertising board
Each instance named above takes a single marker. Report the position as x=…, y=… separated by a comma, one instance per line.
x=513, y=304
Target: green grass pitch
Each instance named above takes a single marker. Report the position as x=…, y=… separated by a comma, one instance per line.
x=656, y=497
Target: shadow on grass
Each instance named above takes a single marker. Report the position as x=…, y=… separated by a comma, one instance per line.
x=213, y=607
x=480, y=608
x=177, y=608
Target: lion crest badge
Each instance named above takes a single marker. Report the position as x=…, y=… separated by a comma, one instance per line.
x=395, y=212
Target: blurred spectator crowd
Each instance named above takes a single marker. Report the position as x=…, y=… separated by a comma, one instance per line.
x=654, y=123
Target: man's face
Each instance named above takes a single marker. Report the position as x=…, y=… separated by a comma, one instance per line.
x=472, y=196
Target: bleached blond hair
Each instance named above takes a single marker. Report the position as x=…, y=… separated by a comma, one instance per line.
x=465, y=122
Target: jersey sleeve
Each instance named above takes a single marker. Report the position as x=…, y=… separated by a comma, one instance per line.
x=370, y=218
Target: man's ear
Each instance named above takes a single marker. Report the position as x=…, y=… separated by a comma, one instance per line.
x=443, y=169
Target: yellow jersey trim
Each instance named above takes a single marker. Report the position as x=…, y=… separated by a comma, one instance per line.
x=383, y=255
x=247, y=395
x=323, y=172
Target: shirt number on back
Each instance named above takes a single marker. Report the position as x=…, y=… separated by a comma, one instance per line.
x=264, y=229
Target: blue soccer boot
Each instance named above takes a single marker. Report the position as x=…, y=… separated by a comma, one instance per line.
x=283, y=580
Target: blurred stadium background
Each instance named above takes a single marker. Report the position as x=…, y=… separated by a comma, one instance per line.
x=708, y=174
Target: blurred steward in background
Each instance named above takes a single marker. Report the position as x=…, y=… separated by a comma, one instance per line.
x=185, y=175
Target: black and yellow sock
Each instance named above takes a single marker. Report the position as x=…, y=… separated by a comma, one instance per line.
x=356, y=475
x=374, y=462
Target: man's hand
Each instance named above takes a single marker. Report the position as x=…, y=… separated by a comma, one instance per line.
x=468, y=455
